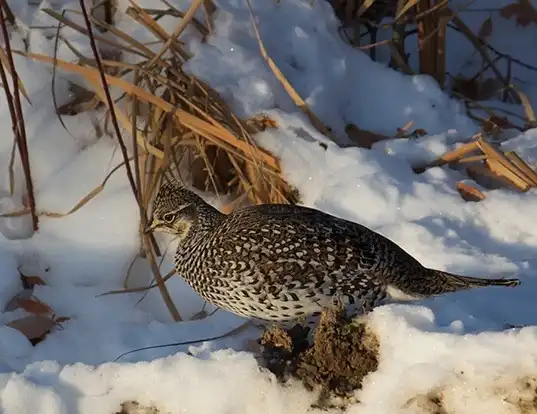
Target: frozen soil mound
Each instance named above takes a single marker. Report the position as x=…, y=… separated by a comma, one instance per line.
x=342, y=353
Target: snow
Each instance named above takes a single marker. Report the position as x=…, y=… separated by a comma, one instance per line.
x=461, y=348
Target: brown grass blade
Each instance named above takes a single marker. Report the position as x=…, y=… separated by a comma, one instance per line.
x=11, y=165
x=188, y=17
x=483, y=175
x=400, y=61
x=366, y=4
x=138, y=14
x=142, y=51
x=409, y=4
x=300, y=103
x=82, y=202
x=88, y=197
x=5, y=61
x=451, y=156
x=529, y=173
x=141, y=138
x=165, y=278
x=204, y=30
x=441, y=51
x=528, y=109
x=439, y=5
x=472, y=158
x=148, y=248
x=196, y=124
x=498, y=163
x=499, y=168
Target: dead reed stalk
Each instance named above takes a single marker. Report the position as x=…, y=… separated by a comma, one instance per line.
x=17, y=117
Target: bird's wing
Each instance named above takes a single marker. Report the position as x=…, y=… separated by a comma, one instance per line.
x=353, y=286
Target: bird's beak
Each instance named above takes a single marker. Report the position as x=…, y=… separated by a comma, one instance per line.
x=151, y=227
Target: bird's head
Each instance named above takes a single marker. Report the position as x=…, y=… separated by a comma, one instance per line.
x=174, y=210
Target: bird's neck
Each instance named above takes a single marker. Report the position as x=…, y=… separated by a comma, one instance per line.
x=206, y=220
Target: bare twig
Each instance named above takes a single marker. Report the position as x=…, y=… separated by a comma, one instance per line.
x=301, y=104
x=10, y=17
x=479, y=46
x=122, y=146
x=233, y=331
x=137, y=195
x=398, y=38
x=17, y=118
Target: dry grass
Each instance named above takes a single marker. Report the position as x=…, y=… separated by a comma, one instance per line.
x=485, y=164
x=432, y=21
x=430, y=18
x=180, y=128
x=488, y=166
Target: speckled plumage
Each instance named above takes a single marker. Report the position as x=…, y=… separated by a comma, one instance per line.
x=283, y=262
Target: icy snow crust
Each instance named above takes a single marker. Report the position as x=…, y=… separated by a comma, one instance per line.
x=453, y=353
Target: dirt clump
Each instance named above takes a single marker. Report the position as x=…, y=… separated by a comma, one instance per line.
x=340, y=355
x=134, y=407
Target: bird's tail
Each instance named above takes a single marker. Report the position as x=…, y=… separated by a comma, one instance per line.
x=448, y=282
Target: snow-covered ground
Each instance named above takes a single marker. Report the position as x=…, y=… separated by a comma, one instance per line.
x=454, y=353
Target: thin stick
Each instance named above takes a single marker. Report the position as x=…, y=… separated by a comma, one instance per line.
x=18, y=126
x=196, y=341
x=109, y=99
x=137, y=195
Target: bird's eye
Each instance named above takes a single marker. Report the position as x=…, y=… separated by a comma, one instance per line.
x=168, y=218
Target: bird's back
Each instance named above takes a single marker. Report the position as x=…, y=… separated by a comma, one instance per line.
x=319, y=235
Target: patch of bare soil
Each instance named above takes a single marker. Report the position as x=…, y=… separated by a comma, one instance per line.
x=343, y=352
x=134, y=407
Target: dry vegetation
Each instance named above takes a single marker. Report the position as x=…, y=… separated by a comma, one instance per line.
x=174, y=123
x=486, y=165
